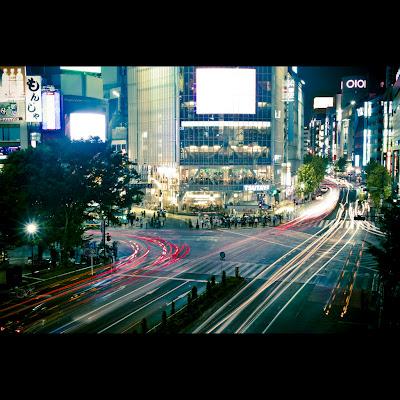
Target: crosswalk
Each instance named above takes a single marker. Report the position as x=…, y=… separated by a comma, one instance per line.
x=251, y=270
x=215, y=267
x=325, y=223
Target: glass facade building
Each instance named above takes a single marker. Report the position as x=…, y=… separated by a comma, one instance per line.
x=209, y=138
x=220, y=153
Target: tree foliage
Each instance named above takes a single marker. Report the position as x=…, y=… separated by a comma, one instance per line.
x=378, y=182
x=341, y=164
x=61, y=184
x=311, y=173
x=387, y=258
x=307, y=179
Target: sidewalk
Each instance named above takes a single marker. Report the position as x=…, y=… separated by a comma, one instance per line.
x=178, y=221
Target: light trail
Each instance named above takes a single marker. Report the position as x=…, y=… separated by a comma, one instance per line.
x=140, y=308
x=284, y=286
x=309, y=279
x=227, y=319
x=107, y=278
x=290, y=266
x=258, y=276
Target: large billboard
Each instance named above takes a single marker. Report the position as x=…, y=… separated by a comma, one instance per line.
x=96, y=70
x=323, y=102
x=51, y=110
x=82, y=126
x=225, y=91
x=12, y=85
x=12, y=111
x=12, y=93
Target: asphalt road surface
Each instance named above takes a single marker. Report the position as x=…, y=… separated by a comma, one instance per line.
x=310, y=275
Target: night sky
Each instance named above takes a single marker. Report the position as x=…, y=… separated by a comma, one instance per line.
x=325, y=81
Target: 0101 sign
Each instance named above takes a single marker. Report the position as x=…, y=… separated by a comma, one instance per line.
x=355, y=84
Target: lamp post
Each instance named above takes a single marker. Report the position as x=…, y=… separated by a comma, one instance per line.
x=31, y=229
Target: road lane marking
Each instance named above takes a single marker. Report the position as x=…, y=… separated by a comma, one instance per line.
x=229, y=316
x=302, y=287
x=104, y=305
x=167, y=278
x=264, y=240
x=32, y=277
x=140, y=308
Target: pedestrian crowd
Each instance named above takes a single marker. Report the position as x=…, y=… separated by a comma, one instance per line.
x=246, y=220
x=157, y=220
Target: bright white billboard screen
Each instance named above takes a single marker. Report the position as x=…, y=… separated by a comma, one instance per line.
x=96, y=70
x=323, y=102
x=85, y=125
x=225, y=91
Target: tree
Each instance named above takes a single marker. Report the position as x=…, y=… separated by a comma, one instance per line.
x=208, y=287
x=341, y=164
x=194, y=292
x=378, y=182
x=319, y=163
x=307, y=179
x=387, y=257
x=307, y=159
x=60, y=184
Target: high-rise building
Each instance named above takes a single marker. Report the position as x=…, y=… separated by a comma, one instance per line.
x=396, y=132
x=322, y=127
x=115, y=91
x=353, y=90
x=307, y=149
x=214, y=137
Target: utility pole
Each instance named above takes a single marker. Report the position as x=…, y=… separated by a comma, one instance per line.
x=103, y=231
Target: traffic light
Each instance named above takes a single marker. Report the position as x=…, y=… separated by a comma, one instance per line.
x=108, y=237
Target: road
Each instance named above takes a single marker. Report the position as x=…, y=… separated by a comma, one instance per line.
x=303, y=276
x=322, y=285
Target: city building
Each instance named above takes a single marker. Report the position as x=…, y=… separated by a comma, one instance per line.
x=115, y=91
x=353, y=90
x=396, y=133
x=45, y=103
x=322, y=127
x=307, y=149
x=215, y=138
x=13, y=121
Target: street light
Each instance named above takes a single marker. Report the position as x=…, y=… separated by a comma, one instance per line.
x=31, y=229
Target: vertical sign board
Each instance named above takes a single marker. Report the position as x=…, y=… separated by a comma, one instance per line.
x=33, y=98
x=288, y=90
x=51, y=110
